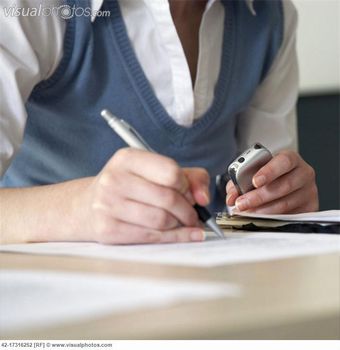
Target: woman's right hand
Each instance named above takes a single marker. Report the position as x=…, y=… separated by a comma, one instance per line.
x=142, y=197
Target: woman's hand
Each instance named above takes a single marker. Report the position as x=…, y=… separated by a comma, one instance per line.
x=286, y=184
x=142, y=197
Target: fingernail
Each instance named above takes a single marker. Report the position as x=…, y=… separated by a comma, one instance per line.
x=197, y=235
x=230, y=196
x=205, y=197
x=259, y=181
x=242, y=204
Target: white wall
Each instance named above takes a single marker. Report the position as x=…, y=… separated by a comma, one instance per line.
x=319, y=45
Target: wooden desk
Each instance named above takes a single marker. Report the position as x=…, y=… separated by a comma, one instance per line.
x=284, y=299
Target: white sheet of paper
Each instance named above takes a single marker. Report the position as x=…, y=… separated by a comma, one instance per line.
x=238, y=247
x=31, y=299
x=319, y=216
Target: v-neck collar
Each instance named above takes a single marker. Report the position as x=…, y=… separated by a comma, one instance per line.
x=178, y=134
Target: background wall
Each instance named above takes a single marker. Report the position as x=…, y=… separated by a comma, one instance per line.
x=319, y=103
x=319, y=45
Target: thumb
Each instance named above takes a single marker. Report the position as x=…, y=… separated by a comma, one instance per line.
x=199, y=180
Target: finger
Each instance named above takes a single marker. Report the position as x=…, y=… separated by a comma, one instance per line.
x=112, y=231
x=198, y=184
x=142, y=214
x=311, y=203
x=306, y=208
x=277, y=189
x=231, y=199
x=138, y=189
x=281, y=164
x=232, y=193
x=285, y=205
x=183, y=234
x=153, y=167
x=119, y=232
x=231, y=187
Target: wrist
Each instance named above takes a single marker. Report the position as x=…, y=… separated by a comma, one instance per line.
x=80, y=210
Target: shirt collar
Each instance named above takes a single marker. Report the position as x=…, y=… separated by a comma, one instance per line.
x=97, y=4
x=250, y=4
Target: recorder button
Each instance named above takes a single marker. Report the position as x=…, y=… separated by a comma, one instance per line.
x=241, y=160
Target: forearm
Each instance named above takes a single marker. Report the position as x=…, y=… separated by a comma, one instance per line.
x=126, y=203
x=43, y=213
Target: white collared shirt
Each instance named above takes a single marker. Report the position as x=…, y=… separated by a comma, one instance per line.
x=165, y=65
x=32, y=47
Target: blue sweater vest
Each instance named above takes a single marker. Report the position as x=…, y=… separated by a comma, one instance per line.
x=65, y=137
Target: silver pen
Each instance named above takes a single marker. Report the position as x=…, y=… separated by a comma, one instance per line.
x=134, y=139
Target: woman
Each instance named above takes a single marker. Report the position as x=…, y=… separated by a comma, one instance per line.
x=200, y=80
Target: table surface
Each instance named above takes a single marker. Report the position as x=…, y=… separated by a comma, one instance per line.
x=295, y=298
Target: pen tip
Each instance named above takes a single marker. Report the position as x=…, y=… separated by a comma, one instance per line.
x=215, y=228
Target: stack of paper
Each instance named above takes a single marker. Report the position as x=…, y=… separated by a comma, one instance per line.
x=316, y=222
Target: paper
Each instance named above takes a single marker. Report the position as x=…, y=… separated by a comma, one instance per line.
x=32, y=299
x=238, y=247
x=329, y=216
x=224, y=220
x=301, y=223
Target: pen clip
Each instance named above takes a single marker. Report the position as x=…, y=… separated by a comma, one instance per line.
x=137, y=135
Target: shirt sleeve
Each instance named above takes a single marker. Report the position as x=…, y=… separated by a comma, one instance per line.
x=270, y=118
x=30, y=51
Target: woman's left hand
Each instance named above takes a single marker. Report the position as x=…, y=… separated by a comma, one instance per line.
x=286, y=184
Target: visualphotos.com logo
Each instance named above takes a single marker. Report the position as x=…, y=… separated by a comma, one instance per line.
x=63, y=11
